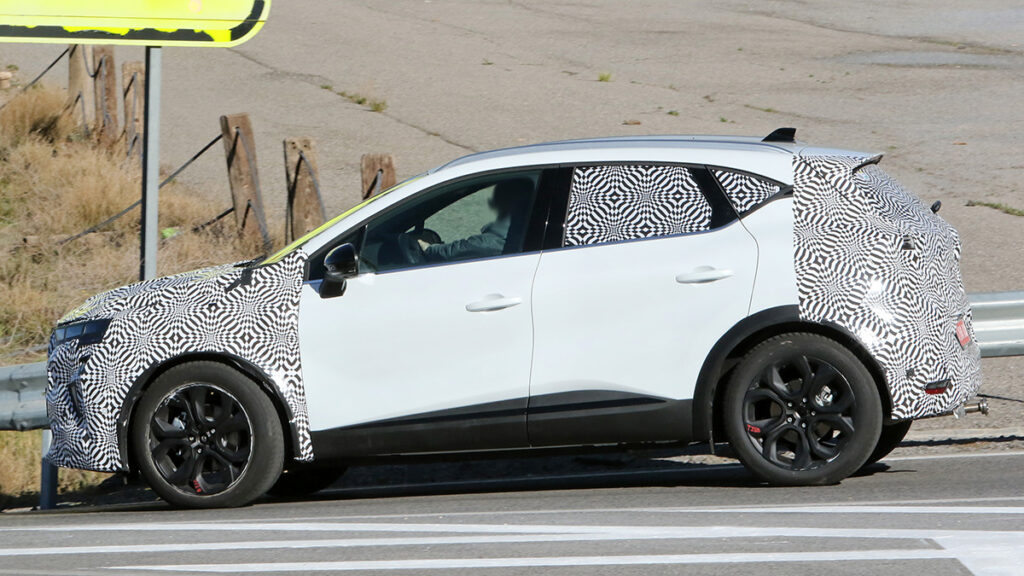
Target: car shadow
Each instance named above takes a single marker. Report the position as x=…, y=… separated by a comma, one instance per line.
x=530, y=474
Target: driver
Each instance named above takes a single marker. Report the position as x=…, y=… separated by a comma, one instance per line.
x=506, y=198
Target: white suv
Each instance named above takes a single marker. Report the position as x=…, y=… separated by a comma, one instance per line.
x=611, y=292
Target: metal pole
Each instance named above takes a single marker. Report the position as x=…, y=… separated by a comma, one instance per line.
x=48, y=482
x=150, y=166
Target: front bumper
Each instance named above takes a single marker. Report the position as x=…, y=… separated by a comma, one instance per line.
x=83, y=403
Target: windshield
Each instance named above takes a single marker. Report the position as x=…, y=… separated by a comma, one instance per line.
x=277, y=256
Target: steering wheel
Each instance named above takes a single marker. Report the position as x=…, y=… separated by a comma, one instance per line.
x=409, y=249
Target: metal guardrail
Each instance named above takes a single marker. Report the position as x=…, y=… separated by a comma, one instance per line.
x=998, y=326
x=999, y=323
x=22, y=405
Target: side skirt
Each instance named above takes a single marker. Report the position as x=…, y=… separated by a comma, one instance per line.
x=584, y=418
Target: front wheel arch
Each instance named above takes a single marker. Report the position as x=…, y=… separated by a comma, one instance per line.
x=143, y=382
x=744, y=337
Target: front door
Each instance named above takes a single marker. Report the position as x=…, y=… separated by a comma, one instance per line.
x=429, y=347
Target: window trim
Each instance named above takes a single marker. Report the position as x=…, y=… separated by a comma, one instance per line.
x=539, y=211
x=722, y=212
x=785, y=190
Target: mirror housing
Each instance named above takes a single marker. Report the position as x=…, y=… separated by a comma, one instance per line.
x=340, y=264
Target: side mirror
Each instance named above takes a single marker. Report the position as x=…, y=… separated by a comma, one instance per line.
x=340, y=264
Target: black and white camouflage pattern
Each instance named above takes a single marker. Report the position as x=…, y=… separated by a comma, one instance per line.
x=614, y=203
x=872, y=258
x=252, y=314
x=744, y=191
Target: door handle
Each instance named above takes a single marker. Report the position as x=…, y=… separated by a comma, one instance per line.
x=493, y=302
x=703, y=275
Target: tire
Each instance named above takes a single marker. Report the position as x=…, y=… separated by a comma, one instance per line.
x=302, y=481
x=206, y=436
x=801, y=409
x=889, y=439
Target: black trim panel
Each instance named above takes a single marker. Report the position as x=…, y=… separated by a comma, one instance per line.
x=606, y=417
x=494, y=425
x=583, y=417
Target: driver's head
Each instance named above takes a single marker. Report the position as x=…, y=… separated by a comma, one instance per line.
x=509, y=195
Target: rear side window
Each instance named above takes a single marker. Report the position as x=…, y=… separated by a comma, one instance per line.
x=615, y=203
x=744, y=191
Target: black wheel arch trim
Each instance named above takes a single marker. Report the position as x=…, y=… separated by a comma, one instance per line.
x=750, y=332
x=142, y=383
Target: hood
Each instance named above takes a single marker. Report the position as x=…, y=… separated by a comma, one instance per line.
x=114, y=303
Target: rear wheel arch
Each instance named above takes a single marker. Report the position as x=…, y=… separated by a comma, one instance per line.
x=143, y=382
x=746, y=335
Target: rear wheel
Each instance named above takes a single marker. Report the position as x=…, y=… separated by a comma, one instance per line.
x=801, y=409
x=890, y=438
x=206, y=436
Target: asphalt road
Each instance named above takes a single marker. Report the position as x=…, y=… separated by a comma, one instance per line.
x=945, y=513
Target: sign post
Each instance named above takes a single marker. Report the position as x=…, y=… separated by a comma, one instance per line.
x=150, y=166
x=149, y=23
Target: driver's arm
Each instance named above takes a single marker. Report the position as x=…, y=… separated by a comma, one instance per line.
x=476, y=246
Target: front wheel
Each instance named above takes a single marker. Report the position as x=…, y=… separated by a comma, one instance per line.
x=205, y=436
x=801, y=409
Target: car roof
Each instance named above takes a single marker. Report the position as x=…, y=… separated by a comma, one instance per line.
x=632, y=143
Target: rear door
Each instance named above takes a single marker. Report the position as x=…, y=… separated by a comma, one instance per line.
x=653, y=269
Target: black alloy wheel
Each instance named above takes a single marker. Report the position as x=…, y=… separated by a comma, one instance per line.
x=205, y=436
x=200, y=439
x=802, y=409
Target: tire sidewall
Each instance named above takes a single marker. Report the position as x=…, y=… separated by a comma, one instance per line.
x=867, y=411
x=267, y=441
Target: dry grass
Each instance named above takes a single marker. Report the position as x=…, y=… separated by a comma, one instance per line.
x=54, y=184
x=19, y=480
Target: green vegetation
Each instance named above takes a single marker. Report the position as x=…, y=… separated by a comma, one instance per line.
x=376, y=105
x=604, y=77
x=998, y=206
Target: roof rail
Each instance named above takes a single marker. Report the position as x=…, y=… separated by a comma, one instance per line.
x=781, y=135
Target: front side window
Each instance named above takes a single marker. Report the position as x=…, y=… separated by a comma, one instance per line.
x=478, y=218
x=615, y=203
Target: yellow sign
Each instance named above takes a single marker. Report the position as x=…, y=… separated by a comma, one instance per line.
x=139, y=22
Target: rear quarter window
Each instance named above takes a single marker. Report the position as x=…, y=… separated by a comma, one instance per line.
x=745, y=191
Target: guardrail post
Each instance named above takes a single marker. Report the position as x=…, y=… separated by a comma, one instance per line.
x=378, y=173
x=133, y=76
x=240, y=149
x=48, y=478
x=81, y=93
x=106, y=95
x=305, y=210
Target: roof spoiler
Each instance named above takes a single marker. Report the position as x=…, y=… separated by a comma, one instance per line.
x=781, y=135
x=867, y=162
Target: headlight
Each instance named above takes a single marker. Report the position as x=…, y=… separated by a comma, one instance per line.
x=88, y=332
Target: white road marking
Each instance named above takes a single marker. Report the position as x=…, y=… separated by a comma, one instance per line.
x=957, y=456
x=985, y=552
x=831, y=509
x=455, y=563
x=278, y=526
x=561, y=511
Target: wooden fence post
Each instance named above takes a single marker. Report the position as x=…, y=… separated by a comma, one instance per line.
x=305, y=210
x=133, y=76
x=106, y=95
x=81, y=93
x=240, y=149
x=378, y=173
